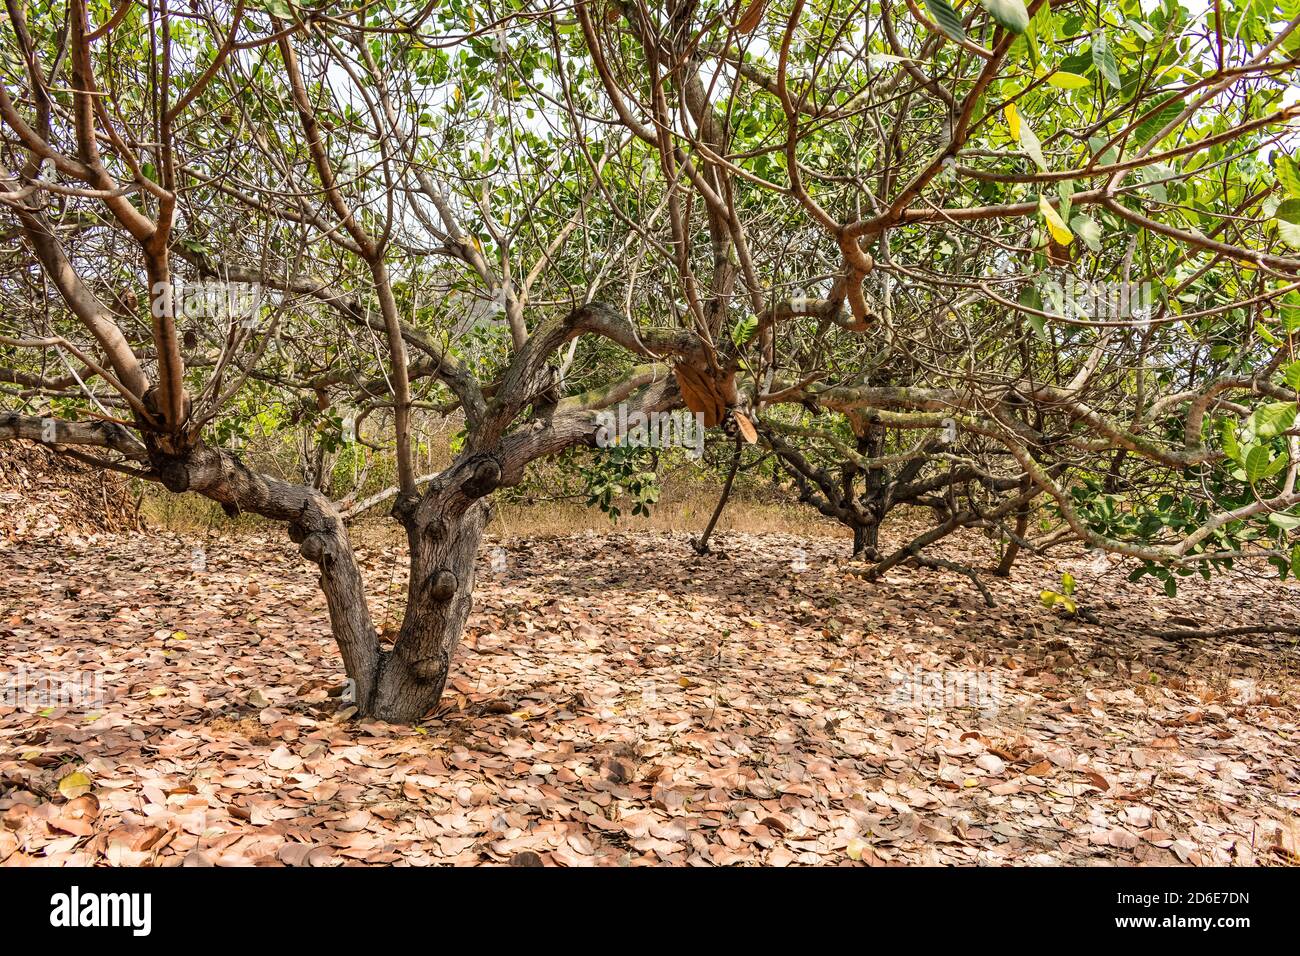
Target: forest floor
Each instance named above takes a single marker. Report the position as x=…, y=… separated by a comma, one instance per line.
x=618, y=700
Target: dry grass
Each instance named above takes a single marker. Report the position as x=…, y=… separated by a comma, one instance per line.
x=685, y=509
x=688, y=511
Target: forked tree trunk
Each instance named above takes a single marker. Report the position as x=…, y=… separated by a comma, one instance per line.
x=440, y=595
x=444, y=528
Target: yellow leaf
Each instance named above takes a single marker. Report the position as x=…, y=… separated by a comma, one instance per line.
x=1068, y=81
x=1055, y=224
x=157, y=691
x=1013, y=120
x=1052, y=598
x=74, y=785
x=855, y=848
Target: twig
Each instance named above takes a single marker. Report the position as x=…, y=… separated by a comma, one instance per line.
x=940, y=564
x=1184, y=635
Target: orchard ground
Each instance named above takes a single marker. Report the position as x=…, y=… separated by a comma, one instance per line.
x=618, y=700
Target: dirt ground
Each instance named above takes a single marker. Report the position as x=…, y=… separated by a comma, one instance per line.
x=619, y=701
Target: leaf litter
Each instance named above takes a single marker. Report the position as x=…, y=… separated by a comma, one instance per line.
x=618, y=700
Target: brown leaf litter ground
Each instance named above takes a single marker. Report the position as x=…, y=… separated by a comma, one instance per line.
x=618, y=700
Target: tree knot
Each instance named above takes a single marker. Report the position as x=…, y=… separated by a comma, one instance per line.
x=485, y=475
x=442, y=585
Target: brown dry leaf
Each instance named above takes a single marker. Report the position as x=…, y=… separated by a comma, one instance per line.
x=747, y=430
x=354, y=822
x=1097, y=780
x=751, y=17
x=615, y=758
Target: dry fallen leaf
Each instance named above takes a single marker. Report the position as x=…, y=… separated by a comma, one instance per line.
x=570, y=736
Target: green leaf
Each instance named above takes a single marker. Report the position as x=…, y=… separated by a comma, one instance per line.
x=1031, y=44
x=1288, y=174
x=1104, y=60
x=1030, y=144
x=1086, y=228
x=1288, y=222
x=947, y=19
x=1228, y=437
x=1065, y=191
x=744, y=330
x=1273, y=419
x=278, y=8
x=1030, y=298
x=1009, y=13
x=1289, y=211
x=1290, y=233
x=1165, y=114
x=1285, y=522
x=1289, y=310
x=1295, y=561
x=1291, y=375
x=1258, y=460
x=1143, y=34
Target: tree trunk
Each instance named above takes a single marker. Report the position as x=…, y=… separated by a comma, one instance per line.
x=1003, y=570
x=440, y=595
x=866, y=541
x=866, y=537
x=444, y=529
